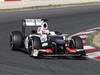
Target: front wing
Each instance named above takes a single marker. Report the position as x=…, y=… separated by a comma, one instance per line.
x=50, y=52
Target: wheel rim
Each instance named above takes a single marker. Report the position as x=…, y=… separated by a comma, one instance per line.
x=11, y=41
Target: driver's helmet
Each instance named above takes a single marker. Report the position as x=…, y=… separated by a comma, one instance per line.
x=45, y=25
x=43, y=29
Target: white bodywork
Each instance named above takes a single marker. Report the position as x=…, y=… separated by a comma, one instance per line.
x=33, y=22
x=42, y=32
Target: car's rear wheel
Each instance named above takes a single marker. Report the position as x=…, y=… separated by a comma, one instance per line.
x=16, y=40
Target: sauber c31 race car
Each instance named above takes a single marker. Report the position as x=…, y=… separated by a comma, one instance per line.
x=43, y=42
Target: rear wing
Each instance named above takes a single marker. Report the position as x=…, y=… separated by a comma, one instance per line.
x=32, y=22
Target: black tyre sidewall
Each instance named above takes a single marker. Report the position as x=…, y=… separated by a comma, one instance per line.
x=17, y=40
x=77, y=43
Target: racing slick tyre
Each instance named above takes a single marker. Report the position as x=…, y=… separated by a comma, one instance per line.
x=76, y=42
x=16, y=40
x=34, y=43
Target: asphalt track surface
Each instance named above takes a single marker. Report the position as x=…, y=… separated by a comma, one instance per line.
x=71, y=20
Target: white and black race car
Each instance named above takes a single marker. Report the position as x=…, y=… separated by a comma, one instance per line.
x=42, y=42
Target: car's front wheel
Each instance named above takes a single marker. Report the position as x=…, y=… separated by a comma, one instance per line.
x=34, y=45
x=76, y=42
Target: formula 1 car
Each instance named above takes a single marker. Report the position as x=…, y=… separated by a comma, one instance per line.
x=51, y=43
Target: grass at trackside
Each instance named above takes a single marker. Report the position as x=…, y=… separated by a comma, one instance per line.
x=96, y=40
x=91, y=40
